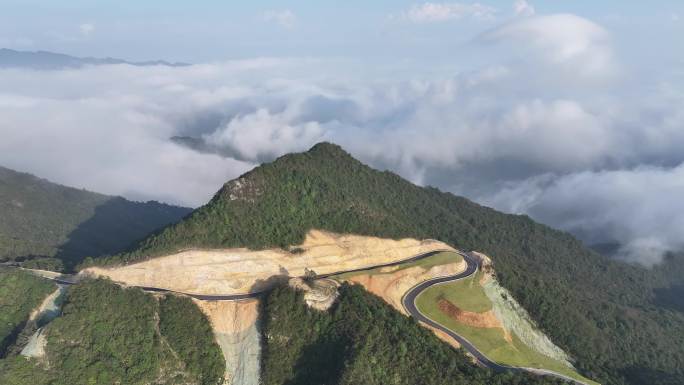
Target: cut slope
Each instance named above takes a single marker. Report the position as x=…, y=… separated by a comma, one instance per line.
x=598, y=310
x=391, y=283
x=239, y=271
x=466, y=308
x=44, y=219
x=235, y=329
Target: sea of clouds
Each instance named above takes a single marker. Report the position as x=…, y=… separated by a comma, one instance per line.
x=555, y=124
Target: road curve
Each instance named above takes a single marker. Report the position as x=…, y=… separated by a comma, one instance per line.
x=408, y=301
x=472, y=265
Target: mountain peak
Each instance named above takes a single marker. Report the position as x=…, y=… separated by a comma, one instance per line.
x=318, y=160
x=327, y=148
x=322, y=153
x=330, y=152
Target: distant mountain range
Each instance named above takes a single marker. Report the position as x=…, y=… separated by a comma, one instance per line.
x=44, y=60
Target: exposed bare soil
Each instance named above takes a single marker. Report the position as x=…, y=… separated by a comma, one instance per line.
x=237, y=271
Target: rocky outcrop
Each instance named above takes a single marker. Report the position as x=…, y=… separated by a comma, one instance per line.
x=319, y=294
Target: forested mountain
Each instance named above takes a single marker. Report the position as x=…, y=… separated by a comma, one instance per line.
x=43, y=219
x=362, y=340
x=605, y=313
x=112, y=335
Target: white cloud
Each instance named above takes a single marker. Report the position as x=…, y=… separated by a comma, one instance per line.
x=565, y=40
x=523, y=8
x=284, y=18
x=640, y=209
x=262, y=135
x=561, y=146
x=675, y=17
x=86, y=29
x=440, y=12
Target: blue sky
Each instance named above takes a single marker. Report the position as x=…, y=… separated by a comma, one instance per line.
x=200, y=31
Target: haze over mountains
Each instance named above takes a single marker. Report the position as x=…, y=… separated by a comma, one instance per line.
x=44, y=60
x=519, y=151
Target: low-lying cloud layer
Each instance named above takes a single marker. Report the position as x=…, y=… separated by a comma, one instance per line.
x=565, y=131
x=639, y=209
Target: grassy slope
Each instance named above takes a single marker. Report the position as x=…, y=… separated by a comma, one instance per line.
x=600, y=311
x=40, y=218
x=109, y=335
x=20, y=293
x=468, y=295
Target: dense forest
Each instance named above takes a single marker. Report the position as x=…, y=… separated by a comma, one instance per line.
x=361, y=340
x=51, y=226
x=605, y=313
x=20, y=294
x=112, y=335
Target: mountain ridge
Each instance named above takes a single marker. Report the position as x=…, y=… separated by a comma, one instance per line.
x=52, y=224
x=568, y=289
x=46, y=60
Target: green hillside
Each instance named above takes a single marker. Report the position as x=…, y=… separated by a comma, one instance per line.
x=601, y=311
x=110, y=335
x=361, y=340
x=43, y=219
x=20, y=294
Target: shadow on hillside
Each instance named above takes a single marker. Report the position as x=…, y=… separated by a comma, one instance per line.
x=321, y=359
x=642, y=375
x=261, y=285
x=116, y=226
x=670, y=297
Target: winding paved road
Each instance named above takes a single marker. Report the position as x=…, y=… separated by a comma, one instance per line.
x=408, y=301
x=68, y=279
x=472, y=265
